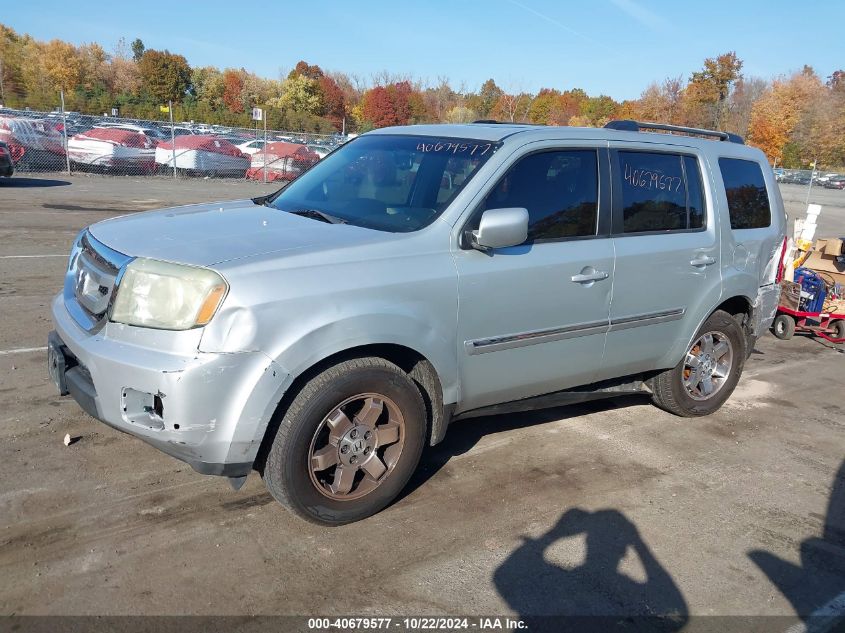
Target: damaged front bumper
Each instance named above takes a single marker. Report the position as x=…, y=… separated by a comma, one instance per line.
x=209, y=410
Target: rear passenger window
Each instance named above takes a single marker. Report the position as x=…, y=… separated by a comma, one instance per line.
x=559, y=189
x=660, y=192
x=748, y=202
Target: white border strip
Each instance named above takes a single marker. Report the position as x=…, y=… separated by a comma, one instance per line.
x=22, y=350
x=28, y=256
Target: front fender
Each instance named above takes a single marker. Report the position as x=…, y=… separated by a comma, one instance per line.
x=302, y=351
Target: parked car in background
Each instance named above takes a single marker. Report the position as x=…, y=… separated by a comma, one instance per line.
x=202, y=155
x=835, y=182
x=325, y=333
x=153, y=132
x=251, y=147
x=7, y=165
x=285, y=161
x=113, y=148
x=178, y=130
x=320, y=150
x=820, y=178
x=33, y=141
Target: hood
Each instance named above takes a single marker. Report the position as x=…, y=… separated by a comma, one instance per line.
x=216, y=232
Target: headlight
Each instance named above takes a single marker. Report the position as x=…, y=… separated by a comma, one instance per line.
x=167, y=296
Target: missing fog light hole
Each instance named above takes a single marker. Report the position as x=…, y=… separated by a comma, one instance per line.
x=158, y=407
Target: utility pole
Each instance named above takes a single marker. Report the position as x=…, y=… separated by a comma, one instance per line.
x=810, y=186
x=172, y=136
x=264, y=116
x=64, y=130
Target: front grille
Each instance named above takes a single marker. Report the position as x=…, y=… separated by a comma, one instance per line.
x=91, y=279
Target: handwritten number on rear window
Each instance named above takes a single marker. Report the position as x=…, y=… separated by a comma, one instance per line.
x=648, y=179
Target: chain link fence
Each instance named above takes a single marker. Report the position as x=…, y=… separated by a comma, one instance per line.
x=71, y=142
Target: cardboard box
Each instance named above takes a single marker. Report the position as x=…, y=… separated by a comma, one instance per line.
x=833, y=247
x=790, y=294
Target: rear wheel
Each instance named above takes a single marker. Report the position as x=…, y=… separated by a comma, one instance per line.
x=707, y=375
x=837, y=329
x=783, y=327
x=348, y=442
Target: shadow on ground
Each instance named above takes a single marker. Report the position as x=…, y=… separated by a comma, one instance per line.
x=463, y=435
x=17, y=181
x=816, y=587
x=596, y=594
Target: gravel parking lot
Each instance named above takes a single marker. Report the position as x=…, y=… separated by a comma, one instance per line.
x=610, y=507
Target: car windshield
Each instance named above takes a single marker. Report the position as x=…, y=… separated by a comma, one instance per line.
x=386, y=182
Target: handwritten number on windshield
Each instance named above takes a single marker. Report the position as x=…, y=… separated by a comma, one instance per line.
x=473, y=149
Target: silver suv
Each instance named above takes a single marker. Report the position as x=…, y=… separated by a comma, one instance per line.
x=323, y=335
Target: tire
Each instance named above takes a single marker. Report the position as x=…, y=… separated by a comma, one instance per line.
x=837, y=329
x=783, y=327
x=682, y=390
x=350, y=412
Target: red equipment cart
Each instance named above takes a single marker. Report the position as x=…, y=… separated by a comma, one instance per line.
x=829, y=326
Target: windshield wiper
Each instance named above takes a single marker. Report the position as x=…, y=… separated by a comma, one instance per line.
x=316, y=214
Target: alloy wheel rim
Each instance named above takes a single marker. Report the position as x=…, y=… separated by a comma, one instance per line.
x=356, y=446
x=708, y=365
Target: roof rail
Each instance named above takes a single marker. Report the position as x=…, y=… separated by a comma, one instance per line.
x=626, y=125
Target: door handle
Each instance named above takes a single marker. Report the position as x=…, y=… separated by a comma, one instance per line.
x=702, y=260
x=584, y=278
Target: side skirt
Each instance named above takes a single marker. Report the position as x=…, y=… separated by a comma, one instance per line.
x=627, y=385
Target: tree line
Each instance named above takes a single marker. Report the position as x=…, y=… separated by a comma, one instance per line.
x=795, y=119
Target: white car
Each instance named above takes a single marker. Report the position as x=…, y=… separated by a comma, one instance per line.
x=251, y=147
x=153, y=133
x=320, y=150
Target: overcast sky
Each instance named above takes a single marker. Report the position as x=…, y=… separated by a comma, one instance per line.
x=614, y=47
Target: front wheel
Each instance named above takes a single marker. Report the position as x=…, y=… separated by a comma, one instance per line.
x=783, y=327
x=709, y=371
x=348, y=442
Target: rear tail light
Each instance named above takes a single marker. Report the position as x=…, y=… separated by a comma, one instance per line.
x=782, y=262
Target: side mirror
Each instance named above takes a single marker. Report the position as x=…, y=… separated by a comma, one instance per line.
x=500, y=228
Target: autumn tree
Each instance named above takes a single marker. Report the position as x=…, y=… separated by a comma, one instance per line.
x=836, y=81
x=138, y=49
x=233, y=84
x=300, y=93
x=777, y=114
x=488, y=95
x=460, y=114
x=659, y=102
x=62, y=65
x=598, y=110
x=11, y=53
x=334, y=101
x=706, y=95
x=164, y=76
x=543, y=105
x=745, y=94
x=304, y=69
x=512, y=107
x=382, y=106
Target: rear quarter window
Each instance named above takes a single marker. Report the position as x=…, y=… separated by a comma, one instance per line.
x=745, y=187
